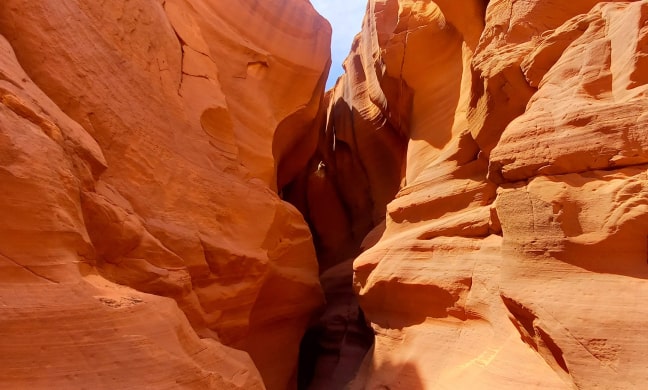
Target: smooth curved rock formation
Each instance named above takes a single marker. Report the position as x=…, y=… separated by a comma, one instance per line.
x=145, y=153
x=476, y=186
x=513, y=254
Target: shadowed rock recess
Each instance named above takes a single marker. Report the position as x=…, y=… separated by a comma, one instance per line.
x=183, y=206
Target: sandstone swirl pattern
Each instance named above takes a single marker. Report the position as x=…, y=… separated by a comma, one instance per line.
x=479, y=177
x=140, y=145
x=512, y=137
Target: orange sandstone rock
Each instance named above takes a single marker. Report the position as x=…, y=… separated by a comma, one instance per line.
x=155, y=166
x=486, y=158
x=62, y=324
x=513, y=254
x=595, y=61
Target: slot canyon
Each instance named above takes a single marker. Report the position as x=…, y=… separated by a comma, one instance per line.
x=183, y=204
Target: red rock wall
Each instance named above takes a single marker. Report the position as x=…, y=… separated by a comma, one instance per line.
x=141, y=232
x=488, y=158
x=511, y=137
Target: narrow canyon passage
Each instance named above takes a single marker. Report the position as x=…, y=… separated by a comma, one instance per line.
x=418, y=184
x=361, y=162
x=184, y=206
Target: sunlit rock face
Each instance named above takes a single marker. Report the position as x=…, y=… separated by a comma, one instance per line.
x=142, y=240
x=471, y=198
x=504, y=145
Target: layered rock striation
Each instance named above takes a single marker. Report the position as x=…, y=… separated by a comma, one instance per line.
x=142, y=239
x=471, y=198
x=504, y=145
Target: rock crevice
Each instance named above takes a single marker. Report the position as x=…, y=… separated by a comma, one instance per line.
x=137, y=167
x=180, y=196
x=519, y=194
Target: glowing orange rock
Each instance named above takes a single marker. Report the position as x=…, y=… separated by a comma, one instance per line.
x=155, y=166
x=513, y=255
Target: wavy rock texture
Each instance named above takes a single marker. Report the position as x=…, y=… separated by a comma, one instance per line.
x=481, y=168
x=505, y=143
x=141, y=231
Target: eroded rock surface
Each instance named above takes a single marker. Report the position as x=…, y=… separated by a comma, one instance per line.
x=142, y=240
x=505, y=144
x=478, y=177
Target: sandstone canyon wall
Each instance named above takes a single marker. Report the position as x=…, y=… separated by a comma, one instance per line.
x=142, y=240
x=476, y=185
x=505, y=144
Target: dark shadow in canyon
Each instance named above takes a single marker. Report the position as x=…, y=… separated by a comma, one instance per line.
x=342, y=194
x=387, y=375
x=333, y=349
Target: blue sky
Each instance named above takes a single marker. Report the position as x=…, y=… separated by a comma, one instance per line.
x=345, y=17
